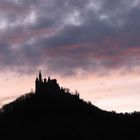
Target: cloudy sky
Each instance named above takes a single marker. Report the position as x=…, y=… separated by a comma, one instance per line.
x=89, y=45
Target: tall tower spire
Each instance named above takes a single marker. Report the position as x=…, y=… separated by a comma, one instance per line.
x=49, y=79
x=40, y=76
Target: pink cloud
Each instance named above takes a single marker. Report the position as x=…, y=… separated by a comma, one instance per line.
x=19, y=38
x=12, y=7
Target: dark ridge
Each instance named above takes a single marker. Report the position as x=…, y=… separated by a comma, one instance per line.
x=53, y=112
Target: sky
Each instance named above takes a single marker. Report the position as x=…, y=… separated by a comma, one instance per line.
x=89, y=45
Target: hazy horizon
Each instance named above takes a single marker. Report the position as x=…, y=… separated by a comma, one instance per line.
x=101, y=91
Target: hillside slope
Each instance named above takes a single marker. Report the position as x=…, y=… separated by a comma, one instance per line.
x=53, y=112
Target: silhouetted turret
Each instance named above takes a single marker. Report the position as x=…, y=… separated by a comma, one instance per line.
x=40, y=76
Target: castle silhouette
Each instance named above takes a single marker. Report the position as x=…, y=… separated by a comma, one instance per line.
x=50, y=87
x=43, y=85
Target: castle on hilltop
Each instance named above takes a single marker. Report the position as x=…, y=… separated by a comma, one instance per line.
x=46, y=85
x=51, y=87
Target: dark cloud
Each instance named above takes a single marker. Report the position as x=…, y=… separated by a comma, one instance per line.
x=68, y=36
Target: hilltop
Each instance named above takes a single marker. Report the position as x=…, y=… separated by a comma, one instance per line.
x=54, y=112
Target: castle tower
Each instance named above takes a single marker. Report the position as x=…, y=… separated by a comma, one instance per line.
x=40, y=76
x=49, y=79
x=38, y=83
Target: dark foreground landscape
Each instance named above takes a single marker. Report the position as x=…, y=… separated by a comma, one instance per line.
x=54, y=112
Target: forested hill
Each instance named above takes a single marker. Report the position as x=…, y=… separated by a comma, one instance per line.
x=61, y=115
